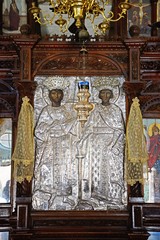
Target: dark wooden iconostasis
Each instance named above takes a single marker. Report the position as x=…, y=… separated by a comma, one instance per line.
x=26, y=55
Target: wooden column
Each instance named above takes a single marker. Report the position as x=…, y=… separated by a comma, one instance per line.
x=25, y=43
x=154, y=16
x=133, y=88
x=25, y=87
x=134, y=46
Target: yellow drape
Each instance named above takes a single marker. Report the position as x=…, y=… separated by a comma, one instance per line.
x=23, y=155
x=136, y=149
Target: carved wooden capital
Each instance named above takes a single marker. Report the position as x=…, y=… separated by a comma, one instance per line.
x=133, y=89
x=24, y=45
x=134, y=42
x=26, y=88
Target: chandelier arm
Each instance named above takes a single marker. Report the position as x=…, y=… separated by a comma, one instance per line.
x=64, y=2
x=91, y=4
x=65, y=27
x=50, y=21
x=121, y=15
x=37, y=19
x=52, y=4
x=46, y=20
x=110, y=19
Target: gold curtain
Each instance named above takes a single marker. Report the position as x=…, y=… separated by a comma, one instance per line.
x=136, y=149
x=23, y=155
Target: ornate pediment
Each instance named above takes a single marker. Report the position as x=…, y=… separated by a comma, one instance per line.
x=74, y=63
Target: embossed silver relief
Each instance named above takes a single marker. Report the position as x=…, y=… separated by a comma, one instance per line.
x=79, y=168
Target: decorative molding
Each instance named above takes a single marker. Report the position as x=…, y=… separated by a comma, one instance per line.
x=150, y=65
x=153, y=47
x=72, y=64
x=152, y=105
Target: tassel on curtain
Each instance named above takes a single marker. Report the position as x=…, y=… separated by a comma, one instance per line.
x=136, y=149
x=23, y=155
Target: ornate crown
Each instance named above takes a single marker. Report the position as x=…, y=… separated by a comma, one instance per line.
x=56, y=82
x=105, y=82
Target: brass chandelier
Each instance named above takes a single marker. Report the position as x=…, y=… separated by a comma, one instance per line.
x=79, y=10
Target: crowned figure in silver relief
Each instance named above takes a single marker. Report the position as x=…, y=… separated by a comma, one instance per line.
x=54, y=183
x=102, y=148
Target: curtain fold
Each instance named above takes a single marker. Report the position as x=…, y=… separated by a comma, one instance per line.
x=136, y=149
x=23, y=155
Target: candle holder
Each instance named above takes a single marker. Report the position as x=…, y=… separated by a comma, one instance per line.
x=83, y=107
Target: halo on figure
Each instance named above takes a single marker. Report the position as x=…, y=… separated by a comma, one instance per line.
x=150, y=128
x=111, y=83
